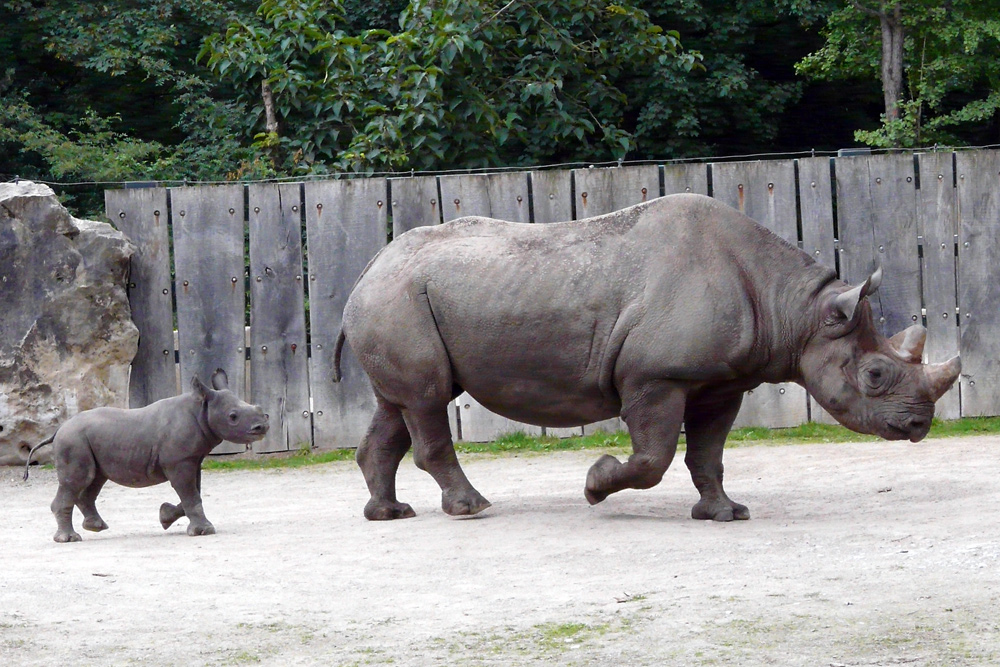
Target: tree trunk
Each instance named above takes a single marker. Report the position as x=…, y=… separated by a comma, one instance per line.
x=270, y=118
x=891, y=21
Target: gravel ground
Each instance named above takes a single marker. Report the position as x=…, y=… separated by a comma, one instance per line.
x=857, y=554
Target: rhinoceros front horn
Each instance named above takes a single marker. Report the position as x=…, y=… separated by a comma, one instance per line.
x=940, y=377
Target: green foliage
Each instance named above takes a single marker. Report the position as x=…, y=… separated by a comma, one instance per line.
x=951, y=63
x=728, y=104
x=111, y=91
x=462, y=84
x=90, y=150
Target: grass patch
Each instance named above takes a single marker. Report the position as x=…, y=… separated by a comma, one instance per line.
x=297, y=459
x=810, y=433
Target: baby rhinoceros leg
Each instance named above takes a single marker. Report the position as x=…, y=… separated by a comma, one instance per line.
x=185, y=478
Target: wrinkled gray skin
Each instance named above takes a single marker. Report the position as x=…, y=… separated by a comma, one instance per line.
x=164, y=441
x=664, y=313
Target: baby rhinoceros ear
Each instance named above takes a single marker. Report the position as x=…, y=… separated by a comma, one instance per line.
x=220, y=380
x=198, y=388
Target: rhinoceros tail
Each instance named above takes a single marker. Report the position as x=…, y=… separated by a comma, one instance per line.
x=337, y=351
x=27, y=464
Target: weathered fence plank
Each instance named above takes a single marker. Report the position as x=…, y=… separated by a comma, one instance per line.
x=208, y=226
x=937, y=221
x=816, y=204
x=415, y=203
x=765, y=191
x=979, y=286
x=818, y=237
x=552, y=196
x=691, y=177
x=279, y=371
x=346, y=224
x=505, y=197
x=600, y=191
x=141, y=214
x=877, y=221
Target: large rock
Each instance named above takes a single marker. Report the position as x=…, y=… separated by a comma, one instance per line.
x=66, y=333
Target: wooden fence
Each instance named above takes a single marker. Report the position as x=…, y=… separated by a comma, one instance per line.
x=282, y=258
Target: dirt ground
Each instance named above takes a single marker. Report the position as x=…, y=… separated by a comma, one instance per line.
x=857, y=554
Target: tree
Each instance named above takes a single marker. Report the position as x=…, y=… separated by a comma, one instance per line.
x=736, y=101
x=939, y=64
x=461, y=84
x=111, y=91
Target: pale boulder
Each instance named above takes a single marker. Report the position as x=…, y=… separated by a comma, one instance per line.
x=66, y=333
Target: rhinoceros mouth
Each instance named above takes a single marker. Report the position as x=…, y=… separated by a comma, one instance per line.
x=914, y=433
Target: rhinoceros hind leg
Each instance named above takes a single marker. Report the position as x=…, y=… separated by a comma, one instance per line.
x=708, y=423
x=378, y=456
x=653, y=415
x=87, y=502
x=74, y=478
x=169, y=514
x=434, y=452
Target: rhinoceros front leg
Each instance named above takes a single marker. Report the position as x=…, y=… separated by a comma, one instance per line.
x=653, y=413
x=707, y=424
x=378, y=456
x=185, y=478
x=434, y=452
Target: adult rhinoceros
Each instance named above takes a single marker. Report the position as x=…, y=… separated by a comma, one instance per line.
x=664, y=313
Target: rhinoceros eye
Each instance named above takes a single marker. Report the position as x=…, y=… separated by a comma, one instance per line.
x=234, y=417
x=874, y=379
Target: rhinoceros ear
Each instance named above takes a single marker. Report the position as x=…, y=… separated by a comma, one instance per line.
x=219, y=379
x=909, y=343
x=198, y=388
x=847, y=303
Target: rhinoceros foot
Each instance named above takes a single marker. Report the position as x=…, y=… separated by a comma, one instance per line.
x=94, y=524
x=170, y=513
x=720, y=510
x=195, y=529
x=387, y=511
x=465, y=503
x=62, y=536
x=597, y=487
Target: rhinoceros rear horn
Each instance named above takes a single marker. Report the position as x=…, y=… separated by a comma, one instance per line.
x=847, y=302
x=909, y=343
x=940, y=377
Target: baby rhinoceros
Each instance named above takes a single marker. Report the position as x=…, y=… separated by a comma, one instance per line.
x=164, y=441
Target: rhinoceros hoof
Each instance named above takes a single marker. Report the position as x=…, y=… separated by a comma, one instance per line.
x=387, y=511
x=465, y=504
x=200, y=529
x=170, y=513
x=595, y=488
x=66, y=537
x=95, y=525
x=720, y=510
